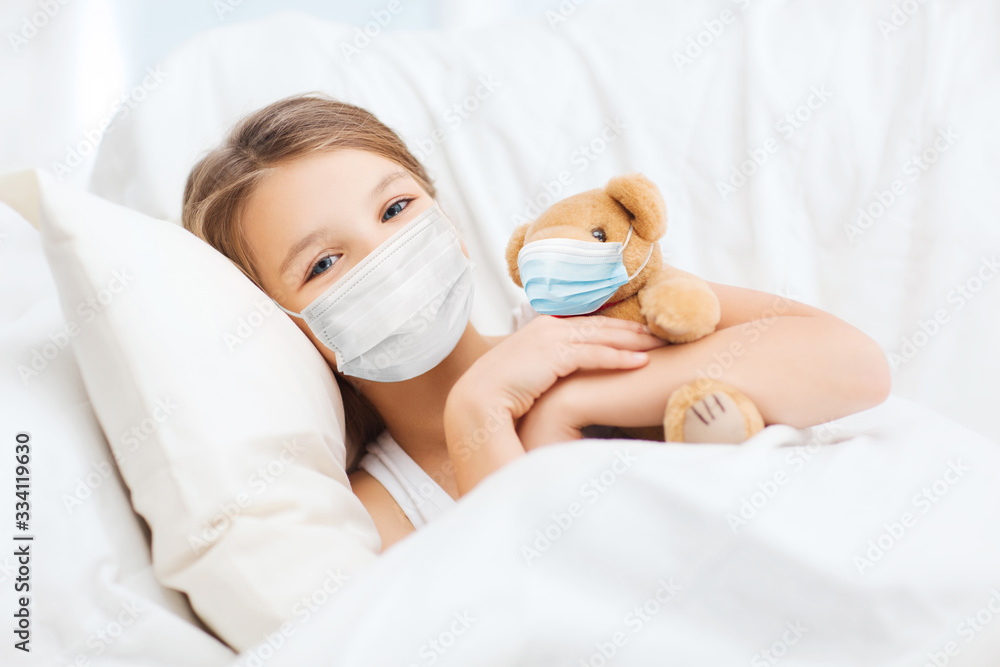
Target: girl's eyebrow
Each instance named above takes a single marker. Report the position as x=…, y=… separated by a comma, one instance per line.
x=386, y=182
x=304, y=243
x=316, y=234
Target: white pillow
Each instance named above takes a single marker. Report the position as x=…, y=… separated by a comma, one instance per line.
x=88, y=541
x=226, y=423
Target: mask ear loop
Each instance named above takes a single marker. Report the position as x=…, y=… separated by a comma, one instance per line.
x=628, y=237
x=639, y=270
x=298, y=315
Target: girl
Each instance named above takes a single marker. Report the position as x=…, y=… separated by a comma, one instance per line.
x=324, y=208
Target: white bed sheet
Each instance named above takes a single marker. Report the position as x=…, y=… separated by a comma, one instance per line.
x=726, y=551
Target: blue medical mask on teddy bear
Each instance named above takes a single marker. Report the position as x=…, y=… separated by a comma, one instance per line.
x=569, y=277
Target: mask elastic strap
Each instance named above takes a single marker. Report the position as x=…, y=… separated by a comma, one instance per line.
x=298, y=315
x=648, y=255
x=627, y=238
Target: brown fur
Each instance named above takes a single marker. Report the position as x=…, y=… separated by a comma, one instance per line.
x=677, y=306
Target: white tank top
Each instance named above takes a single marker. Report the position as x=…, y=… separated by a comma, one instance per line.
x=420, y=497
x=417, y=494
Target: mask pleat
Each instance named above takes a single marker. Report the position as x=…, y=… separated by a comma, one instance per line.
x=402, y=308
x=570, y=277
x=398, y=305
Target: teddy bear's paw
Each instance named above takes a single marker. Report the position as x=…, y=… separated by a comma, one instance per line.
x=710, y=411
x=678, y=311
x=672, y=331
x=714, y=418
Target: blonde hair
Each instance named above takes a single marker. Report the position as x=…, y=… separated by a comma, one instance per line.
x=221, y=183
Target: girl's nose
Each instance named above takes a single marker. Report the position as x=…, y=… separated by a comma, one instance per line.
x=371, y=239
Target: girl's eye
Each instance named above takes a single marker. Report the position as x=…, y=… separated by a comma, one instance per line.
x=322, y=265
x=395, y=209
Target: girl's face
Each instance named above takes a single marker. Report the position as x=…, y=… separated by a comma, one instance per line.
x=312, y=219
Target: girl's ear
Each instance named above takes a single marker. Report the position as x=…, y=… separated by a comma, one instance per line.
x=643, y=200
x=514, y=246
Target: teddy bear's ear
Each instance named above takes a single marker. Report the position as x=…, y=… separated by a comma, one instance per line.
x=514, y=246
x=643, y=200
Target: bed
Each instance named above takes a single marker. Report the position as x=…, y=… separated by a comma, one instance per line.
x=850, y=179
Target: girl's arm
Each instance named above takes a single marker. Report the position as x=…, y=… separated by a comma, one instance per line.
x=501, y=386
x=390, y=519
x=800, y=365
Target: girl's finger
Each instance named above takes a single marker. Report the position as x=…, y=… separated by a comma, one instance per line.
x=628, y=338
x=593, y=357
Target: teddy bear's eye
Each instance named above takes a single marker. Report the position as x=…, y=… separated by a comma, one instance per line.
x=599, y=234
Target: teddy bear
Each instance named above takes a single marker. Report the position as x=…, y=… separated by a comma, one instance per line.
x=597, y=252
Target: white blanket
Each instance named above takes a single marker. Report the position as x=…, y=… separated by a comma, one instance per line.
x=875, y=540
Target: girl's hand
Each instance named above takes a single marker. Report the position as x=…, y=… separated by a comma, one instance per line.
x=514, y=373
x=503, y=384
x=557, y=416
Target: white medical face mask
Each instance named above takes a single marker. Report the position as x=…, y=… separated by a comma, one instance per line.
x=402, y=309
